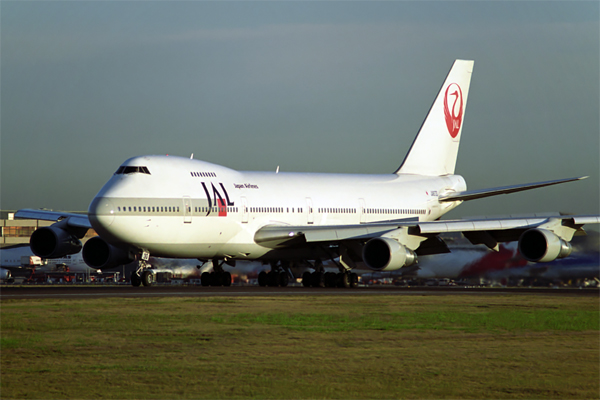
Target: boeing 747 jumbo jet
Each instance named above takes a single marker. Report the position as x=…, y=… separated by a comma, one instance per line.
x=176, y=207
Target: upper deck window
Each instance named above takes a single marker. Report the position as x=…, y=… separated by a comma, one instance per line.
x=132, y=170
x=204, y=174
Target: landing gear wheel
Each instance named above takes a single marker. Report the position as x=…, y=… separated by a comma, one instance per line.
x=262, y=278
x=330, y=279
x=147, y=278
x=205, y=279
x=343, y=280
x=135, y=279
x=215, y=279
x=317, y=279
x=353, y=280
x=306, y=279
x=283, y=279
x=273, y=278
x=226, y=278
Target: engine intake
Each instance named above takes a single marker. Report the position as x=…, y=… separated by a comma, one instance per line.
x=97, y=253
x=385, y=254
x=540, y=245
x=53, y=242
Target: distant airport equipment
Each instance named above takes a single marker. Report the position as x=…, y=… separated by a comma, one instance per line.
x=178, y=207
x=31, y=261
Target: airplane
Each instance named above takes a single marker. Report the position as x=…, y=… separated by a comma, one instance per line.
x=12, y=257
x=179, y=207
x=181, y=269
x=505, y=265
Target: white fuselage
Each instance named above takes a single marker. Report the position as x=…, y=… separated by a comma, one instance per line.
x=185, y=208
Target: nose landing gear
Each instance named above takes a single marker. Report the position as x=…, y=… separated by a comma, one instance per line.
x=143, y=275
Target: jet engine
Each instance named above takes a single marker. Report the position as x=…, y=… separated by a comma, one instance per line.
x=385, y=254
x=53, y=242
x=540, y=245
x=97, y=253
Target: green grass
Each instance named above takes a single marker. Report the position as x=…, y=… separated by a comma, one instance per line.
x=475, y=346
x=495, y=321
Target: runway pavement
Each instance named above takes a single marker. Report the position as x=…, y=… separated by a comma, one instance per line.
x=8, y=292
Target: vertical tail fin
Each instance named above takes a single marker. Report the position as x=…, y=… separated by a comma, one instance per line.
x=435, y=148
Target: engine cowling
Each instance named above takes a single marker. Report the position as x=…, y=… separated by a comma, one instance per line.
x=540, y=245
x=97, y=253
x=385, y=254
x=53, y=242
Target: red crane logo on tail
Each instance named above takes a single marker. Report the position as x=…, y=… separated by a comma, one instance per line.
x=454, y=113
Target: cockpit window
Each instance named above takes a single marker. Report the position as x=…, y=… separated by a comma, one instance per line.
x=132, y=170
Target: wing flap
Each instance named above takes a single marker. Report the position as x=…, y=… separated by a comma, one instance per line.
x=356, y=232
x=286, y=234
x=478, y=225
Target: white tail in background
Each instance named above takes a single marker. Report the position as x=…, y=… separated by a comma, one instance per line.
x=435, y=148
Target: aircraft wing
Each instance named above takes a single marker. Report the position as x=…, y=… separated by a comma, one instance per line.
x=72, y=219
x=481, y=193
x=488, y=231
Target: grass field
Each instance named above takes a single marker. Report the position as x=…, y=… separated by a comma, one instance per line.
x=412, y=346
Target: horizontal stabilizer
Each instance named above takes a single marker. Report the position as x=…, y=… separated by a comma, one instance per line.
x=478, y=194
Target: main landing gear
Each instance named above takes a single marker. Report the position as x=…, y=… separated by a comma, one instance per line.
x=218, y=277
x=320, y=278
x=330, y=279
x=278, y=276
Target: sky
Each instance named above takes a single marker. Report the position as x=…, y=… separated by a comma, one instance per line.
x=311, y=86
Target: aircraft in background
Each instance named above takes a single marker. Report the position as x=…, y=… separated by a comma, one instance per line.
x=505, y=266
x=14, y=256
x=177, y=207
x=180, y=269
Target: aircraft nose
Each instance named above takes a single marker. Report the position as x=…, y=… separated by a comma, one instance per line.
x=101, y=212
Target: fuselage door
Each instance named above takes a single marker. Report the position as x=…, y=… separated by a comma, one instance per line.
x=361, y=210
x=244, y=209
x=310, y=217
x=187, y=209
